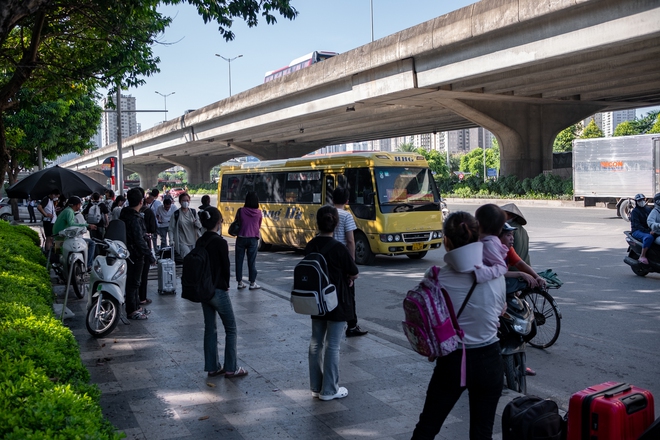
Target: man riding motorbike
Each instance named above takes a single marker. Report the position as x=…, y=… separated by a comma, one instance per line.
x=639, y=226
x=653, y=220
x=68, y=218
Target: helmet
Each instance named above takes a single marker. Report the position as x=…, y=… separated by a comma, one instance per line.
x=656, y=199
x=639, y=197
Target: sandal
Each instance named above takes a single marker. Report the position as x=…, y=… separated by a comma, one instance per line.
x=137, y=316
x=215, y=373
x=240, y=372
x=144, y=311
x=146, y=301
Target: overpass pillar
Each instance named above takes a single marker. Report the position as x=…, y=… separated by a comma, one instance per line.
x=525, y=131
x=148, y=173
x=197, y=168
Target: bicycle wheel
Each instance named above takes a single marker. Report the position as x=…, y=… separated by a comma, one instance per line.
x=547, y=316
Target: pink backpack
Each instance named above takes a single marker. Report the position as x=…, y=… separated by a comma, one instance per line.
x=431, y=325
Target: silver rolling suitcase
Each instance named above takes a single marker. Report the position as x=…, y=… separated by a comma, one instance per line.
x=166, y=276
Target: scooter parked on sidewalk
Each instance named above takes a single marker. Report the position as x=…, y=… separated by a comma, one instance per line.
x=516, y=328
x=70, y=265
x=107, y=283
x=635, y=250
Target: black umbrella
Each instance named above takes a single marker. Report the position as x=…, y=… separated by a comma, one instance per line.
x=40, y=184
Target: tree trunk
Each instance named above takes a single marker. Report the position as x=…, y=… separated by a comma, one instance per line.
x=4, y=154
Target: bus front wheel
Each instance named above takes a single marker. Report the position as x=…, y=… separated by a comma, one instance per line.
x=363, y=254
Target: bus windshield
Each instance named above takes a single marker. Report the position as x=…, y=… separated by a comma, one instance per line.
x=406, y=189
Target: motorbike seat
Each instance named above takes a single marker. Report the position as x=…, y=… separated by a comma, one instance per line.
x=116, y=230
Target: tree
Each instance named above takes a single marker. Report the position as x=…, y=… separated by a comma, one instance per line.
x=591, y=131
x=48, y=44
x=643, y=125
x=437, y=162
x=406, y=147
x=626, y=128
x=564, y=140
x=656, y=127
x=473, y=162
x=57, y=127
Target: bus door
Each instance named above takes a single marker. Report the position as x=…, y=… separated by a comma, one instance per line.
x=361, y=200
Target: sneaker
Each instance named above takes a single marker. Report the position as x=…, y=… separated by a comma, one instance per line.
x=241, y=285
x=341, y=393
x=355, y=331
x=315, y=394
x=254, y=286
x=529, y=372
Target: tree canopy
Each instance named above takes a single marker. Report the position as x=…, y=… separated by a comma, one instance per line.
x=46, y=45
x=437, y=162
x=473, y=162
x=57, y=126
x=564, y=140
x=625, y=128
x=591, y=131
x=656, y=127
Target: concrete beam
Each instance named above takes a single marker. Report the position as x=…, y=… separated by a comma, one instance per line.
x=148, y=173
x=198, y=169
x=524, y=131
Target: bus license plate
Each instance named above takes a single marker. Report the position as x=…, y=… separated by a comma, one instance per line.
x=417, y=246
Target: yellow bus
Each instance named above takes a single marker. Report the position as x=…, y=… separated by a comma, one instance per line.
x=392, y=196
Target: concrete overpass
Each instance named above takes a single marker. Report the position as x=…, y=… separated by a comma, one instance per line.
x=523, y=69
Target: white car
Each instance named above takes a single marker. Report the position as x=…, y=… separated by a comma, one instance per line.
x=24, y=215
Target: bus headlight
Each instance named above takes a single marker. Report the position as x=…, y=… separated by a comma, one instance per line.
x=397, y=237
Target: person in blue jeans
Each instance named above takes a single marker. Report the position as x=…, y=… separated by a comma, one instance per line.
x=639, y=226
x=247, y=240
x=484, y=371
x=327, y=330
x=218, y=251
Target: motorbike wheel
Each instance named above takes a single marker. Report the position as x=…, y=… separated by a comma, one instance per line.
x=78, y=280
x=514, y=372
x=104, y=322
x=637, y=269
x=547, y=317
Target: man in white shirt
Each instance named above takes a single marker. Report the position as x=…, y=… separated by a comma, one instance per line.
x=154, y=204
x=47, y=210
x=344, y=234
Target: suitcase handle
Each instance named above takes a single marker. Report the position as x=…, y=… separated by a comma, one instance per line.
x=621, y=388
x=634, y=402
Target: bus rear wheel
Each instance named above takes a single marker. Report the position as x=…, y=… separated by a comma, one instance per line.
x=363, y=254
x=417, y=255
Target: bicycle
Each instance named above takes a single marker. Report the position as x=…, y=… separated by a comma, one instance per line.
x=546, y=311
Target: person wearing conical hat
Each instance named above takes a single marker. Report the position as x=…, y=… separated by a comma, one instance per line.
x=516, y=219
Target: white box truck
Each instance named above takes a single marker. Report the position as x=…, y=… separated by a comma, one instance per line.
x=612, y=170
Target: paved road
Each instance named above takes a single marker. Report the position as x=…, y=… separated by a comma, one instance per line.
x=611, y=317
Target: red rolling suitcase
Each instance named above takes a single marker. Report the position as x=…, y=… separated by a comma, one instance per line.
x=610, y=411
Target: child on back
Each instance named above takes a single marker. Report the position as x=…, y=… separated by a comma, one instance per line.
x=491, y=219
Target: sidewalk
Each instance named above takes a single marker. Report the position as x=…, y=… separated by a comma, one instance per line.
x=154, y=387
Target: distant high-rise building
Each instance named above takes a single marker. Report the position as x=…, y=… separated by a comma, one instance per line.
x=612, y=119
x=129, y=125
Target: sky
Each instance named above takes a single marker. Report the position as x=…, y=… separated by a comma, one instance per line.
x=190, y=69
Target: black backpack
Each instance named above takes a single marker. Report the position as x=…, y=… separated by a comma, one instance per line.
x=313, y=293
x=530, y=418
x=196, y=279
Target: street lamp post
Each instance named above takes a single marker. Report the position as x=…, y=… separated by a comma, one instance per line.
x=165, y=97
x=229, y=60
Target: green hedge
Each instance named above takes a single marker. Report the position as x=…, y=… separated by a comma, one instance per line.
x=44, y=387
x=510, y=187
x=202, y=188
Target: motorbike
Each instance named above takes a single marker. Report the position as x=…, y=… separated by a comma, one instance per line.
x=444, y=208
x=70, y=265
x=107, y=285
x=517, y=327
x=635, y=250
